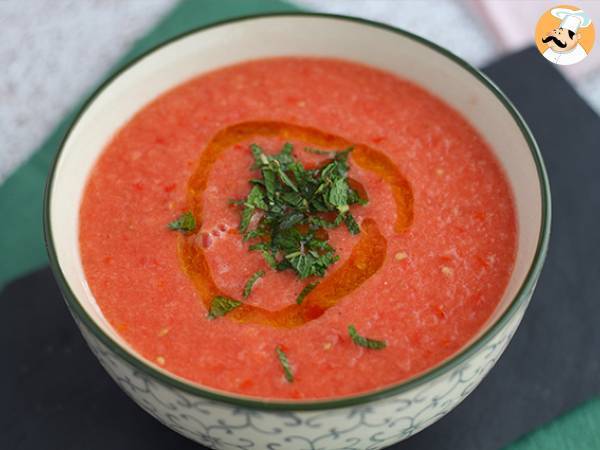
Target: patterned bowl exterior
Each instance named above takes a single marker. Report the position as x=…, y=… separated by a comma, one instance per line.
x=369, y=426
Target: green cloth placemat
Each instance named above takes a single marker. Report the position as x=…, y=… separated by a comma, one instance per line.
x=21, y=242
x=577, y=430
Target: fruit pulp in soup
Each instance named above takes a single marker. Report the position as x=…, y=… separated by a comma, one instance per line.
x=428, y=284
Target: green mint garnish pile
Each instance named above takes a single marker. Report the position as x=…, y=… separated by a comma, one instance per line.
x=288, y=205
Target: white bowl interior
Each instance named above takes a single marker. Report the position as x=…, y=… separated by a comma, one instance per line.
x=283, y=36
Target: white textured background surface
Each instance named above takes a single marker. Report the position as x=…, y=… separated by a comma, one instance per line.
x=54, y=51
x=51, y=53
x=450, y=23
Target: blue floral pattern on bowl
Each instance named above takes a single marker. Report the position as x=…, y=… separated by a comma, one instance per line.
x=371, y=426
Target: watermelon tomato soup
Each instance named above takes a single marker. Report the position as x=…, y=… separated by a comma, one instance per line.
x=297, y=228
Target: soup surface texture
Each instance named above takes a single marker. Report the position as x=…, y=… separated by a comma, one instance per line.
x=431, y=281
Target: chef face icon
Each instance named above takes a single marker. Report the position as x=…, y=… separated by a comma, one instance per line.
x=561, y=40
x=565, y=35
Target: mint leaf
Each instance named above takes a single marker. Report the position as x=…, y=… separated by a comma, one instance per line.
x=221, y=305
x=185, y=223
x=300, y=175
x=295, y=200
x=270, y=259
x=305, y=291
x=247, y=214
x=255, y=198
x=252, y=234
x=250, y=283
x=285, y=156
x=290, y=220
x=284, y=178
x=257, y=153
x=270, y=182
x=342, y=155
x=338, y=195
x=285, y=364
x=301, y=263
x=372, y=344
x=351, y=224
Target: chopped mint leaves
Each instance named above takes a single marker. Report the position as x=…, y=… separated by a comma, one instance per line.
x=288, y=206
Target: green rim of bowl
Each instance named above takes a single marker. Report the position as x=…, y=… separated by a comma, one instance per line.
x=280, y=405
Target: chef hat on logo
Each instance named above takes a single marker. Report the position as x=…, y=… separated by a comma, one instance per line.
x=571, y=20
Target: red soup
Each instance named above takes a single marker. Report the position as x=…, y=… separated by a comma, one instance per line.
x=333, y=271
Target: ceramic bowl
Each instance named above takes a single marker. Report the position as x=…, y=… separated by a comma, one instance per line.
x=371, y=420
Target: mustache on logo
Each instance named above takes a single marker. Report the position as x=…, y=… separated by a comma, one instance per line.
x=555, y=40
